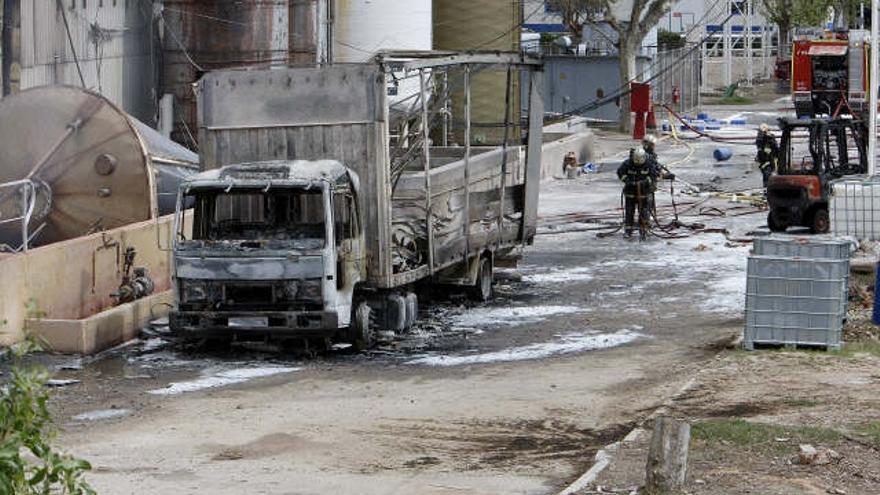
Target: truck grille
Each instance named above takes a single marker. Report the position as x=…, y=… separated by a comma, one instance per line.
x=248, y=294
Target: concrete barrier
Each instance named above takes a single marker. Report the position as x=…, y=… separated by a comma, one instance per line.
x=581, y=143
x=73, y=280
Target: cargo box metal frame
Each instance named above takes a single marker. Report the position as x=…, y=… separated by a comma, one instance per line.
x=445, y=201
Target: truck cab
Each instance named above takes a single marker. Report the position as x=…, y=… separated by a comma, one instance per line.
x=270, y=250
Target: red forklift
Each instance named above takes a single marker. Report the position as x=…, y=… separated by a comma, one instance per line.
x=799, y=193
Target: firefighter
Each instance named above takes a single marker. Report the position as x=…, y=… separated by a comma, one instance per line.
x=768, y=152
x=639, y=175
x=649, y=143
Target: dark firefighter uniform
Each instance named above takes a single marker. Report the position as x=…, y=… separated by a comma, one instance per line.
x=768, y=153
x=639, y=174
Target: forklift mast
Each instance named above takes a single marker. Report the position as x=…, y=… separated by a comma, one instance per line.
x=837, y=147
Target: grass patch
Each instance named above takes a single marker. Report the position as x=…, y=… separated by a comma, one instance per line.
x=761, y=436
x=851, y=349
x=735, y=100
x=870, y=430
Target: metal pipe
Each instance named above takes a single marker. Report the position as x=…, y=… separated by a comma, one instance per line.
x=26, y=211
x=72, y=45
x=504, y=153
x=875, y=78
x=445, y=138
x=426, y=147
x=467, y=162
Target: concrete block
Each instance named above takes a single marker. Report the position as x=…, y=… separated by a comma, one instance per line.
x=103, y=330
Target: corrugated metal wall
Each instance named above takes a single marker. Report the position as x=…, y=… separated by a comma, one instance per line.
x=111, y=39
x=482, y=25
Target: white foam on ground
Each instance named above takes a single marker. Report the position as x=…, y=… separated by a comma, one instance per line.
x=561, y=275
x=222, y=379
x=566, y=344
x=510, y=317
x=101, y=415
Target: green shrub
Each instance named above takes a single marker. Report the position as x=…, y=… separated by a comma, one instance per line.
x=28, y=463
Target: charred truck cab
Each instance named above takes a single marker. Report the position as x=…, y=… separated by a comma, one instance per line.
x=275, y=250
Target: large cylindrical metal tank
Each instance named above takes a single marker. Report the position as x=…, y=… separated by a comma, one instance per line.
x=93, y=166
x=204, y=35
x=464, y=25
x=363, y=27
x=304, y=32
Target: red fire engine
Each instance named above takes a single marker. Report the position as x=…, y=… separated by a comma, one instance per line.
x=830, y=76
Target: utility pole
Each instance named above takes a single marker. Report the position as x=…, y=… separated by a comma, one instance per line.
x=750, y=70
x=728, y=46
x=875, y=78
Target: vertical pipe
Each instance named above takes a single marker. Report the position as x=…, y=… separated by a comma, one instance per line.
x=467, y=162
x=445, y=138
x=25, y=214
x=508, y=87
x=426, y=156
x=728, y=50
x=875, y=78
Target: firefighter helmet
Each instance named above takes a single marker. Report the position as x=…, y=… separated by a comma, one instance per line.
x=639, y=156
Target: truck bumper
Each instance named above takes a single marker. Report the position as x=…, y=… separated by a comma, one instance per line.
x=254, y=325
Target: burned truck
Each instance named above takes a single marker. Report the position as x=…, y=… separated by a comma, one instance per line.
x=331, y=193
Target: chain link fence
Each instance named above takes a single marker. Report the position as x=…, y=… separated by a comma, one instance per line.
x=678, y=83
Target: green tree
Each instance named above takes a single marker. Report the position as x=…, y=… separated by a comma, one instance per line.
x=575, y=13
x=631, y=31
x=789, y=14
x=28, y=463
x=630, y=23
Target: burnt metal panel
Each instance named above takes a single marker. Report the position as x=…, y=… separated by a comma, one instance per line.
x=264, y=268
x=533, y=157
x=290, y=98
x=335, y=113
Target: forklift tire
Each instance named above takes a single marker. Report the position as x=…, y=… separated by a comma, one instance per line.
x=362, y=336
x=774, y=225
x=820, y=223
x=482, y=291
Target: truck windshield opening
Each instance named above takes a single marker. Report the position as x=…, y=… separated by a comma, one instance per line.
x=258, y=215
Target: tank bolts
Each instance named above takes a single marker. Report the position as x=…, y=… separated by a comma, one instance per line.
x=105, y=164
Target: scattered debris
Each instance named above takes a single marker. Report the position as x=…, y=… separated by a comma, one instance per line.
x=811, y=456
x=55, y=383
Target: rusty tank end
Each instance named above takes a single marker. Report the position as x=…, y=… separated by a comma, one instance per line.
x=82, y=164
x=205, y=35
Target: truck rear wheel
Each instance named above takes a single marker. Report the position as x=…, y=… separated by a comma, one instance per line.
x=395, y=307
x=482, y=291
x=412, y=309
x=363, y=336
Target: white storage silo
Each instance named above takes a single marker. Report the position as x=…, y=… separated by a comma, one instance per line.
x=363, y=27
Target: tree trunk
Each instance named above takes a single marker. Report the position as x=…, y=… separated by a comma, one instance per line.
x=784, y=41
x=668, y=457
x=627, y=54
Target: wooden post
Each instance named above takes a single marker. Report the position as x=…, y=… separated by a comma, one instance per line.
x=668, y=457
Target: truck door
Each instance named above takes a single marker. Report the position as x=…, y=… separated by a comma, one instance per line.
x=349, y=249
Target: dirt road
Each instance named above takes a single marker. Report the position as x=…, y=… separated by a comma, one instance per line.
x=512, y=397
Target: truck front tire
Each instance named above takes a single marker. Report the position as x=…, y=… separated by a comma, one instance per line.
x=363, y=336
x=412, y=310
